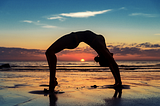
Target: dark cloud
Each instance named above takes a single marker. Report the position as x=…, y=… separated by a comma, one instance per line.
x=151, y=52
x=19, y=53
x=148, y=45
x=141, y=50
x=126, y=50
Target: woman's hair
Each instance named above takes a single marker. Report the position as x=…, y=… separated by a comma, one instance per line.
x=102, y=60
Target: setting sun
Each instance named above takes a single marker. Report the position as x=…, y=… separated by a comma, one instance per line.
x=82, y=60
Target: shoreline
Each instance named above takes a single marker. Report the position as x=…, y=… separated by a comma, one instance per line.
x=16, y=88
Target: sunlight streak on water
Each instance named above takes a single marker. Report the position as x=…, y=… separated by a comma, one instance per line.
x=65, y=66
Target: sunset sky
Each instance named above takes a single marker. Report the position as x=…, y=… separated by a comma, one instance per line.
x=28, y=27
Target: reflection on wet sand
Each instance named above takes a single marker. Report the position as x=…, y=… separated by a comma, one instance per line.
x=118, y=93
x=81, y=88
x=52, y=99
x=52, y=96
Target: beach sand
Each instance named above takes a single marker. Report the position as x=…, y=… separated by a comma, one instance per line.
x=75, y=89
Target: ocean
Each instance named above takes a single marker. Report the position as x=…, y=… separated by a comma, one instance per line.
x=87, y=66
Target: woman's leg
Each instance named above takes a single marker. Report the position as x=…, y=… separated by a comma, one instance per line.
x=115, y=71
x=52, y=61
x=67, y=41
x=113, y=65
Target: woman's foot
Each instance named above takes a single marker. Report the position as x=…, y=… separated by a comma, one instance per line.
x=52, y=85
x=118, y=85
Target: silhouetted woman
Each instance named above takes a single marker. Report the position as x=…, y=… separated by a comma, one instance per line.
x=71, y=41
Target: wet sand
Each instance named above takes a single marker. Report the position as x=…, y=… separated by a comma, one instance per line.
x=77, y=89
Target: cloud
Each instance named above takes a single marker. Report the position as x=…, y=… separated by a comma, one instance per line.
x=142, y=50
x=143, y=14
x=48, y=26
x=148, y=45
x=123, y=8
x=27, y=21
x=84, y=14
x=39, y=24
x=56, y=17
x=126, y=51
x=21, y=54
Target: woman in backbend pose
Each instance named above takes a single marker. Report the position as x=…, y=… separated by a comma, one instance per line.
x=71, y=41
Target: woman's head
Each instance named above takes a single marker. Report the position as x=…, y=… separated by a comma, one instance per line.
x=102, y=60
